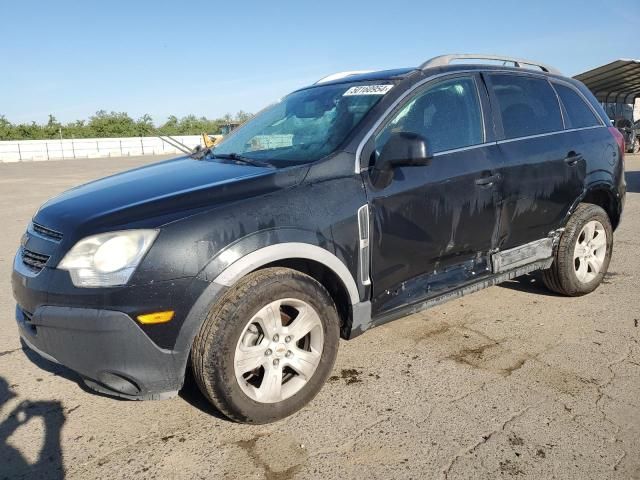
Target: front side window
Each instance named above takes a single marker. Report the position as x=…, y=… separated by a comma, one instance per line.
x=528, y=105
x=578, y=113
x=447, y=115
x=304, y=126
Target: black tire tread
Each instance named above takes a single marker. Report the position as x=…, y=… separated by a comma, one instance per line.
x=221, y=311
x=556, y=278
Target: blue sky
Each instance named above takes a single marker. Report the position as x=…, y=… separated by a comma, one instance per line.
x=209, y=58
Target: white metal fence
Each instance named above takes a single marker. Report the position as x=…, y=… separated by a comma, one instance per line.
x=38, y=150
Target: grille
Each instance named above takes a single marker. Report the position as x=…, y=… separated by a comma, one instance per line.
x=47, y=232
x=33, y=260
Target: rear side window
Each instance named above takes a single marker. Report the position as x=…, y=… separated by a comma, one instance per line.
x=447, y=115
x=579, y=114
x=528, y=105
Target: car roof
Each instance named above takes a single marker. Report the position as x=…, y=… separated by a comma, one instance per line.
x=401, y=73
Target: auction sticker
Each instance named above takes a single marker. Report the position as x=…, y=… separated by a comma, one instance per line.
x=368, y=90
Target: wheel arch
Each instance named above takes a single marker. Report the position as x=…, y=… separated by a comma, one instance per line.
x=329, y=280
x=307, y=258
x=604, y=196
x=292, y=252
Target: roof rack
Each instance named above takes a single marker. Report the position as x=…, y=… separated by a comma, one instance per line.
x=443, y=60
x=339, y=75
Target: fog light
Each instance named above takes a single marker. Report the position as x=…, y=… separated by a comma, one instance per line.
x=156, y=317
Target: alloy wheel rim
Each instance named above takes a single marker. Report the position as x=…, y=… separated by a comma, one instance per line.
x=590, y=251
x=279, y=350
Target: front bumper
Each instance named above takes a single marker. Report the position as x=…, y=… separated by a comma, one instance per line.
x=107, y=348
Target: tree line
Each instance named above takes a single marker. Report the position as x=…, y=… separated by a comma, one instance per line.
x=116, y=124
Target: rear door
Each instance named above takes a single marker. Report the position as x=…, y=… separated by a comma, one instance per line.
x=543, y=171
x=585, y=134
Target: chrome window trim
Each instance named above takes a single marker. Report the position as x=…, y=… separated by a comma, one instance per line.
x=484, y=127
x=564, y=83
x=560, y=105
x=463, y=149
x=547, y=134
x=548, y=80
x=358, y=165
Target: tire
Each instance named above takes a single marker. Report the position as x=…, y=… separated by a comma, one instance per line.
x=578, y=270
x=237, y=335
x=636, y=146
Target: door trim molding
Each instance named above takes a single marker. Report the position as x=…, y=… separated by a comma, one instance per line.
x=548, y=134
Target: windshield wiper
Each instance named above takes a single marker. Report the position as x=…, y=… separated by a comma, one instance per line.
x=241, y=159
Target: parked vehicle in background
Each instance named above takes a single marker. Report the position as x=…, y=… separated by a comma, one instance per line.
x=631, y=134
x=352, y=202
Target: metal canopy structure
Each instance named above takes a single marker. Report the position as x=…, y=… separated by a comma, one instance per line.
x=616, y=82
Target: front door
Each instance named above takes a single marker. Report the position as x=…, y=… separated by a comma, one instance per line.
x=434, y=225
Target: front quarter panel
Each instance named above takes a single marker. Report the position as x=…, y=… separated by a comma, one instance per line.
x=320, y=212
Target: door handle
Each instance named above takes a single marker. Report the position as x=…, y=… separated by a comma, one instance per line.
x=572, y=159
x=487, y=181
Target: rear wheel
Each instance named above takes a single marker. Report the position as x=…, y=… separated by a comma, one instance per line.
x=583, y=254
x=268, y=346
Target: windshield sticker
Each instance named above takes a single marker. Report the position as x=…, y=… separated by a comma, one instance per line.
x=368, y=90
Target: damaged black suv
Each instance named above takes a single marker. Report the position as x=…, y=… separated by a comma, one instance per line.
x=360, y=199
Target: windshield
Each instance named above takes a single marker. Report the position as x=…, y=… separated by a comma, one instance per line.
x=304, y=126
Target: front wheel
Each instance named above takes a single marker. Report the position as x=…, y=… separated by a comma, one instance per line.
x=583, y=254
x=265, y=350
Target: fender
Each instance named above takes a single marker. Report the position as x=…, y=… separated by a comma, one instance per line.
x=611, y=202
x=239, y=264
x=268, y=246
x=282, y=251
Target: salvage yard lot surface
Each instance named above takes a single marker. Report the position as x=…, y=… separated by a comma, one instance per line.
x=509, y=381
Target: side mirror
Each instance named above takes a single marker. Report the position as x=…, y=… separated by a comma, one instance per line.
x=404, y=148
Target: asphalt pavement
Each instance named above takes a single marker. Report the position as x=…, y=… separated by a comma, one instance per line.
x=512, y=381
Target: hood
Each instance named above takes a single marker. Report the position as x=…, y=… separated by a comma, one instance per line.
x=158, y=193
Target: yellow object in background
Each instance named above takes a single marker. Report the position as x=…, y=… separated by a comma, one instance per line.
x=208, y=141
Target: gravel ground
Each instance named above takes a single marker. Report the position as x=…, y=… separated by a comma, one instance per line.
x=509, y=381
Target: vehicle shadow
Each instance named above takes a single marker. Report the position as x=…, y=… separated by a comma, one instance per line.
x=633, y=181
x=191, y=394
x=529, y=283
x=13, y=464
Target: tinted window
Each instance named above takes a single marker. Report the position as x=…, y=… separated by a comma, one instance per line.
x=578, y=113
x=528, y=105
x=447, y=114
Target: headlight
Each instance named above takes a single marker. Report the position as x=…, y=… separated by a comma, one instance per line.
x=107, y=259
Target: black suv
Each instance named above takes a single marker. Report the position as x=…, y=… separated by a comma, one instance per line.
x=349, y=203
